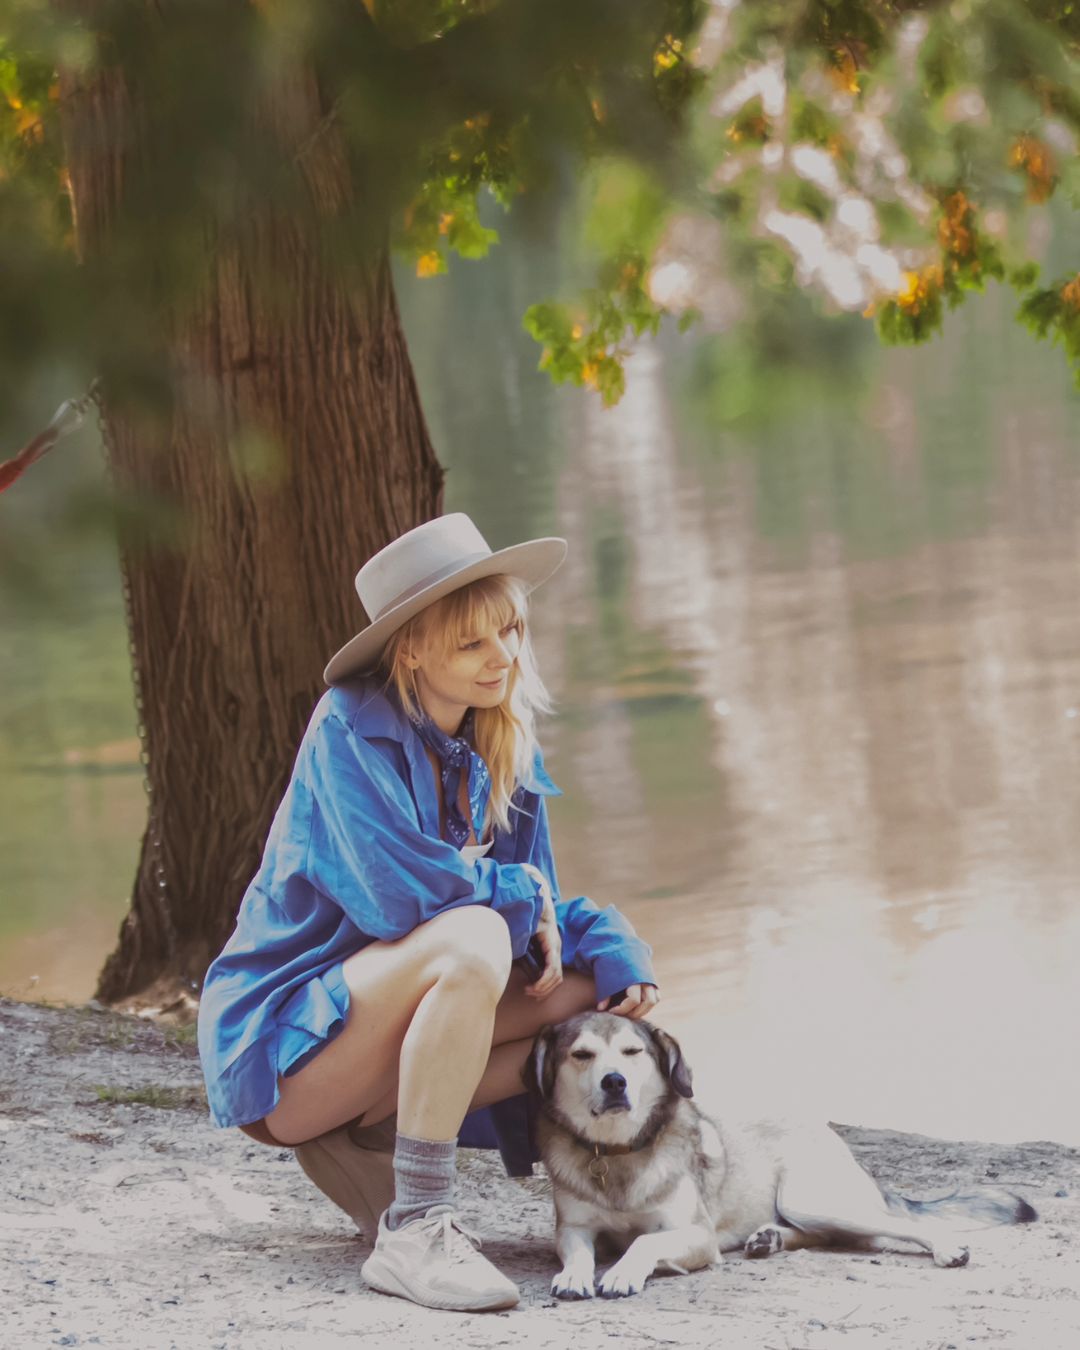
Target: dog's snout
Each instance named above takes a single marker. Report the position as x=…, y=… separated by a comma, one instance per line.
x=613, y=1082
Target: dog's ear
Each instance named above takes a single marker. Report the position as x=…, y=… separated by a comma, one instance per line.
x=675, y=1068
x=538, y=1075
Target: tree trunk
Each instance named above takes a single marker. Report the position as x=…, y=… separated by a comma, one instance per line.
x=231, y=632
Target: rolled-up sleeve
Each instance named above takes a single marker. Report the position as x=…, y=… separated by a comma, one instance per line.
x=367, y=852
x=600, y=942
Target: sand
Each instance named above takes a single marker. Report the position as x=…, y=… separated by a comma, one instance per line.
x=127, y=1220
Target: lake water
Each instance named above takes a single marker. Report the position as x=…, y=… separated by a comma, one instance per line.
x=816, y=656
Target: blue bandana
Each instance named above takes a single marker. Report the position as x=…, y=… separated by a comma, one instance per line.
x=454, y=754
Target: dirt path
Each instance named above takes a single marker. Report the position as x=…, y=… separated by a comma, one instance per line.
x=130, y=1224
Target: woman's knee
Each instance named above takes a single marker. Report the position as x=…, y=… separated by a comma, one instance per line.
x=472, y=944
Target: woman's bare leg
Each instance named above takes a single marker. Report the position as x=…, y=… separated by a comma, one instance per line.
x=359, y=1070
x=446, y=1048
x=517, y=1020
x=423, y=1008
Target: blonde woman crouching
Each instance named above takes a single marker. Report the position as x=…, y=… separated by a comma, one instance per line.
x=403, y=939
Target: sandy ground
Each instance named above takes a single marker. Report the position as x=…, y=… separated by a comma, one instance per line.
x=134, y=1223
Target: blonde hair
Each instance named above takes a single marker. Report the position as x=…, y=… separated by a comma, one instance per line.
x=505, y=736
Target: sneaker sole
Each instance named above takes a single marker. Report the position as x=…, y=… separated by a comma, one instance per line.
x=382, y=1279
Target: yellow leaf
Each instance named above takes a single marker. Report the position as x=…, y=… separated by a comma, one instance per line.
x=667, y=54
x=844, y=71
x=1037, y=161
x=918, y=287
x=957, y=207
x=955, y=230
x=907, y=296
x=428, y=264
x=28, y=121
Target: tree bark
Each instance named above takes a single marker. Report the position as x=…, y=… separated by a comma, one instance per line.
x=230, y=633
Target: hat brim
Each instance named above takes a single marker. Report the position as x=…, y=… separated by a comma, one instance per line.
x=532, y=562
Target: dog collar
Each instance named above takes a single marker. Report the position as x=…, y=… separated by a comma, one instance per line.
x=602, y=1150
x=598, y=1167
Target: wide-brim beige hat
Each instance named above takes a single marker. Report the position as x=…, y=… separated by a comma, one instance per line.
x=423, y=565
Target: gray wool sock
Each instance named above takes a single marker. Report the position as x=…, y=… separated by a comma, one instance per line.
x=424, y=1172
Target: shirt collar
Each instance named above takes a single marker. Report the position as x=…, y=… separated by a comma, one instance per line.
x=371, y=714
x=368, y=710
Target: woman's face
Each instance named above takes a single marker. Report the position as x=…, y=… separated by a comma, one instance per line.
x=475, y=675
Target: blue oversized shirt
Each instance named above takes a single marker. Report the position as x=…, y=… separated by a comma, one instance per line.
x=354, y=855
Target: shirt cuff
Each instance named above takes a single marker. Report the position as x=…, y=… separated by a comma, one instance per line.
x=615, y=971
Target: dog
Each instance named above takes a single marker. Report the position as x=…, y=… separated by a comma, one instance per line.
x=637, y=1166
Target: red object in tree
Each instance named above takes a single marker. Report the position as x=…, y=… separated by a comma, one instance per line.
x=13, y=468
x=67, y=417
x=9, y=471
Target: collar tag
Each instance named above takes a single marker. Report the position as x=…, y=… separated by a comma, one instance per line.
x=598, y=1169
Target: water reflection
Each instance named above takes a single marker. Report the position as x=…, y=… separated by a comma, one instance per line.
x=818, y=676
x=879, y=754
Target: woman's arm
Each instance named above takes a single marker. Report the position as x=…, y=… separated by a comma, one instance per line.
x=368, y=854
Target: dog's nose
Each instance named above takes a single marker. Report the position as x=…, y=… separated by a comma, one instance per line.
x=613, y=1082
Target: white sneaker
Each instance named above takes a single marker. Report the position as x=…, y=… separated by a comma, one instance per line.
x=433, y=1260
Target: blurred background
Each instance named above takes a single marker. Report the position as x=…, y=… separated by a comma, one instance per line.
x=816, y=660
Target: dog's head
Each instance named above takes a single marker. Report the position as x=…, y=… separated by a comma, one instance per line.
x=605, y=1076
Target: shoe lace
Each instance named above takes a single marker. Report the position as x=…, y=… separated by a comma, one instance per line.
x=459, y=1242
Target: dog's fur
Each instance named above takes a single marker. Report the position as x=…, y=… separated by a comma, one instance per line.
x=694, y=1186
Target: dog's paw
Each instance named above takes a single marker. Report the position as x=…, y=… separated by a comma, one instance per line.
x=571, y=1284
x=622, y=1280
x=766, y=1241
x=950, y=1257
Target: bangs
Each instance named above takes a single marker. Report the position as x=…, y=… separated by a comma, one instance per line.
x=461, y=616
x=505, y=736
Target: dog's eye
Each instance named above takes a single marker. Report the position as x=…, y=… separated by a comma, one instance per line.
x=633, y=1050
x=582, y=1054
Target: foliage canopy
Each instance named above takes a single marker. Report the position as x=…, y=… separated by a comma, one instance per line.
x=889, y=158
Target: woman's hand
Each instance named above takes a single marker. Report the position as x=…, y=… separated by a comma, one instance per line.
x=548, y=936
x=639, y=1001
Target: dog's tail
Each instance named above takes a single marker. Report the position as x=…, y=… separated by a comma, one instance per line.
x=987, y=1206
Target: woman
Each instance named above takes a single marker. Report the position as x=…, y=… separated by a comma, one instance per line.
x=381, y=955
